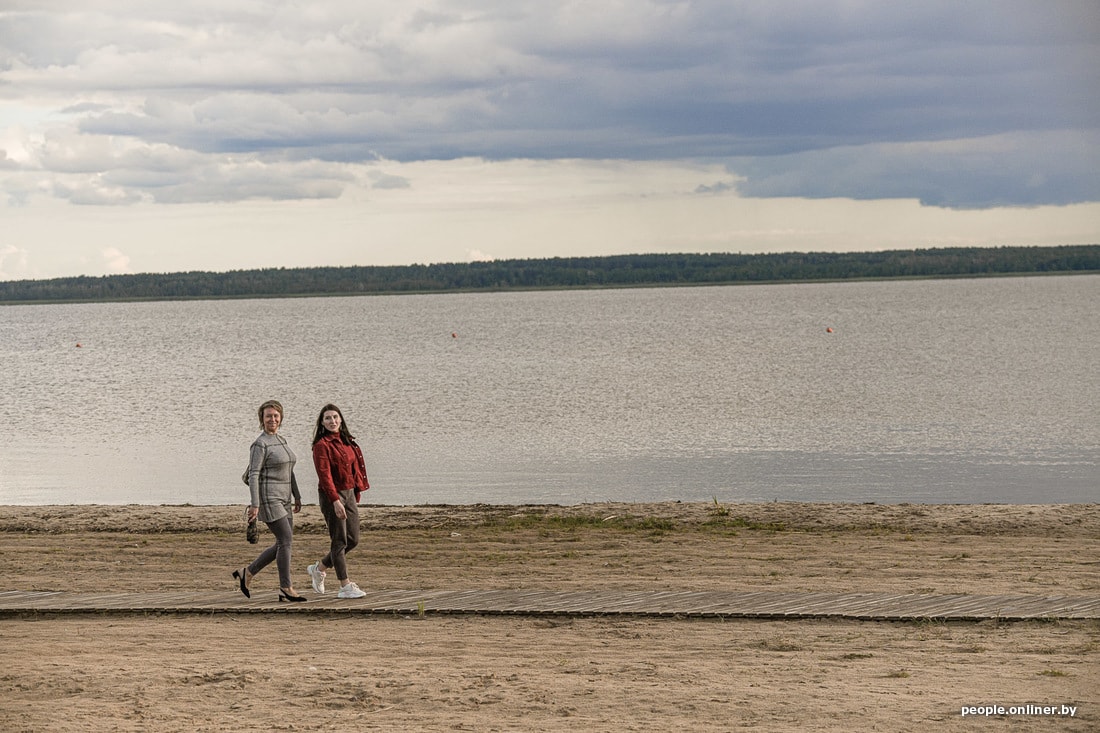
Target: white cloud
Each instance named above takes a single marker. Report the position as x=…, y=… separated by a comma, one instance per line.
x=476, y=255
x=372, y=106
x=13, y=262
x=509, y=209
x=91, y=191
x=115, y=261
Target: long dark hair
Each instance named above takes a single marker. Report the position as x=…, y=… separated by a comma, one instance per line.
x=319, y=432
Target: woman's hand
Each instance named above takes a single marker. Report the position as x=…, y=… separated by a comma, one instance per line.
x=339, y=510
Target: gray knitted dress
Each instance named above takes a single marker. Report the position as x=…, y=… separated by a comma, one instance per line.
x=271, y=478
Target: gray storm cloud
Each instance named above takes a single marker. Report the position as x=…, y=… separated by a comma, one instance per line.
x=959, y=105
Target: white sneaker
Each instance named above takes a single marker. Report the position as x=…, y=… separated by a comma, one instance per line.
x=317, y=577
x=351, y=590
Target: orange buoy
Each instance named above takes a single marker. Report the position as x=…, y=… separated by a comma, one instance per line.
x=829, y=329
x=80, y=346
x=454, y=335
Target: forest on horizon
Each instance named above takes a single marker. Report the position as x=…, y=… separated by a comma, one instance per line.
x=639, y=270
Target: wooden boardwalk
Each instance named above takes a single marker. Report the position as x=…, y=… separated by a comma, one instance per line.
x=671, y=604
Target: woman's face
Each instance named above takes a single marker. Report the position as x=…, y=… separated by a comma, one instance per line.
x=331, y=420
x=272, y=419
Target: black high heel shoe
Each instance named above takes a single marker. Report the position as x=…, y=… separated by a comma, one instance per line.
x=285, y=596
x=242, y=575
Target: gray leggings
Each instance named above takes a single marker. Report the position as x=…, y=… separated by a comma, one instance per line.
x=343, y=533
x=283, y=529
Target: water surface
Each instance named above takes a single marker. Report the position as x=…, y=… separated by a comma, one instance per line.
x=935, y=391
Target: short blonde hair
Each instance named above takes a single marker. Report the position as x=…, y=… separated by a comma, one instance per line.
x=270, y=403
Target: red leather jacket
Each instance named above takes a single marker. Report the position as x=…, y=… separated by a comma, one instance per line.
x=340, y=466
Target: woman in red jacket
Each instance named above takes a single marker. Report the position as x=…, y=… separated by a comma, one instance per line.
x=342, y=477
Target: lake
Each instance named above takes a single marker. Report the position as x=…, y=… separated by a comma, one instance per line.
x=937, y=391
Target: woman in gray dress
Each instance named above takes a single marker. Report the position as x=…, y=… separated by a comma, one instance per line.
x=273, y=487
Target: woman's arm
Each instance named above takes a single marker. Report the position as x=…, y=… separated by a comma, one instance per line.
x=362, y=466
x=294, y=491
x=361, y=462
x=322, y=461
x=256, y=455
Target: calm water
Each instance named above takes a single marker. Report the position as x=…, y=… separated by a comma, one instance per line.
x=925, y=391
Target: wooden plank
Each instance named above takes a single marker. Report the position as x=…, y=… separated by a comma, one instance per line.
x=689, y=604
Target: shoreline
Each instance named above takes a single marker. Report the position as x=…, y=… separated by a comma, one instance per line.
x=941, y=549
x=651, y=281
x=1062, y=520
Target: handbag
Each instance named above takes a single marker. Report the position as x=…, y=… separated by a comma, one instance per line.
x=252, y=528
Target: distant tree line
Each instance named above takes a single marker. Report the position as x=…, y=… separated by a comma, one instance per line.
x=562, y=272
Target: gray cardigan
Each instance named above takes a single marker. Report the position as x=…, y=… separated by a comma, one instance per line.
x=271, y=480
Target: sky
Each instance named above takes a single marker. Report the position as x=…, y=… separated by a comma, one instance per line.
x=237, y=134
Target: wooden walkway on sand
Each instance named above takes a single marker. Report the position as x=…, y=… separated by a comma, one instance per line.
x=637, y=604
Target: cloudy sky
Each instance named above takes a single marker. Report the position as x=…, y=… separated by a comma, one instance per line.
x=229, y=134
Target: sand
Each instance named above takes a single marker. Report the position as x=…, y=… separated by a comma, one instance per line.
x=268, y=672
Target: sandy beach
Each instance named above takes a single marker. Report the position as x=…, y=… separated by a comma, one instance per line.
x=268, y=672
